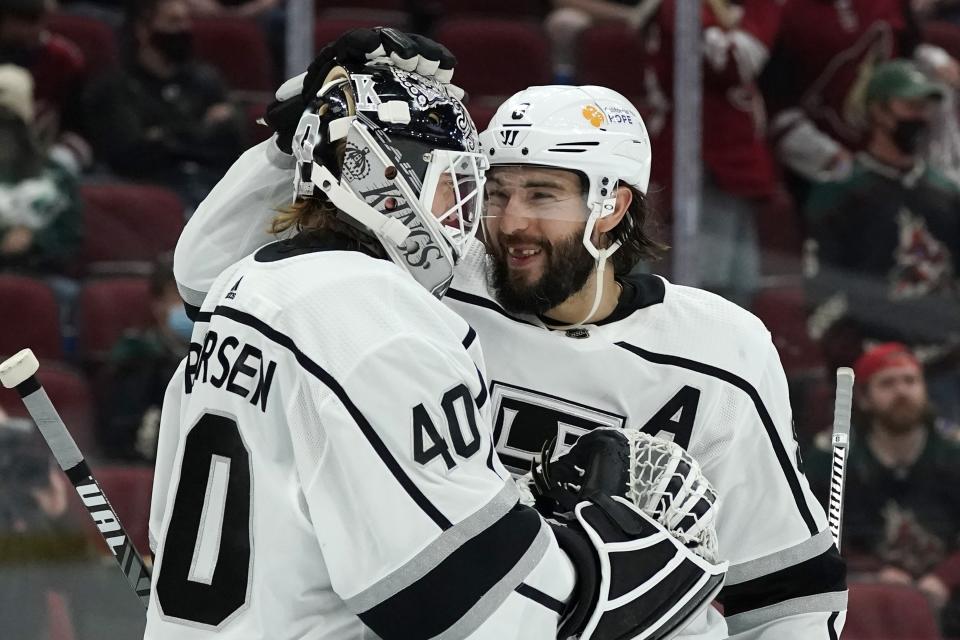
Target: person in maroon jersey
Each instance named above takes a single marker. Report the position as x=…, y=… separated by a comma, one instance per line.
x=824, y=54
x=740, y=180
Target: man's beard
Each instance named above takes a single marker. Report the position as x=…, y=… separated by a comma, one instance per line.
x=902, y=416
x=567, y=266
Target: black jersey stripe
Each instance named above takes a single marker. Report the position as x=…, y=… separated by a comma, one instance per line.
x=196, y=315
x=480, y=301
x=479, y=575
x=831, y=625
x=541, y=598
x=366, y=428
x=468, y=340
x=786, y=464
x=481, y=398
x=825, y=573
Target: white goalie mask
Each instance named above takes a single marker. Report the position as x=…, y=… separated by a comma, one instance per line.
x=411, y=175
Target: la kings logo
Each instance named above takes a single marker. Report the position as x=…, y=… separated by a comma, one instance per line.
x=421, y=246
x=525, y=419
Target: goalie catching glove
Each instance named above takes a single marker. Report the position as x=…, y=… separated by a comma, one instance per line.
x=635, y=514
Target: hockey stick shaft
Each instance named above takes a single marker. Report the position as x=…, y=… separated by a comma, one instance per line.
x=19, y=373
x=842, y=408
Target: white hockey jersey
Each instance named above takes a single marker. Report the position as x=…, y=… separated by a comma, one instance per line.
x=673, y=360
x=326, y=469
x=687, y=365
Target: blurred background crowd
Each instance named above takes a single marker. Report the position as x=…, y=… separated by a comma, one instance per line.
x=830, y=207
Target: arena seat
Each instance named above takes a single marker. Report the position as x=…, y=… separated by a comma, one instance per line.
x=888, y=612
x=128, y=488
x=108, y=308
x=514, y=8
x=30, y=318
x=94, y=38
x=238, y=49
x=332, y=24
x=784, y=311
x=943, y=34
x=600, y=51
x=128, y=222
x=70, y=394
x=522, y=60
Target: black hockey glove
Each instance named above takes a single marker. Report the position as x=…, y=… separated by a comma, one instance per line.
x=407, y=51
x=624, y=504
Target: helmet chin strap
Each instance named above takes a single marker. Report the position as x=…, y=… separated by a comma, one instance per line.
x=601, y=256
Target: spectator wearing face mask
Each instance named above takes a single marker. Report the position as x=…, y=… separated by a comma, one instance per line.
x=884, y=260
x=165, y=117
x=140, y=366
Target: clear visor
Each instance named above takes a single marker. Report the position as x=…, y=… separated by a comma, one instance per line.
x=453, y=191
x=535, y=192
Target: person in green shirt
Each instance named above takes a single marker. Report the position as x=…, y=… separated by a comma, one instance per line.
x=901, y=514
x=885, y=250
x=39, y=201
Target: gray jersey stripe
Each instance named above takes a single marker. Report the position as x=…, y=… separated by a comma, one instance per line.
x=445, y=544
x=753, y=569
x=825, y=603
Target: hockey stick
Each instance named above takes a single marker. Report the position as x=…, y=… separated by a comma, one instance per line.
x=19, y=372
x=841, y=439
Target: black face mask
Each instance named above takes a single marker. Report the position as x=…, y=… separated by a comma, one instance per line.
x=907, y=134
x=176, y=46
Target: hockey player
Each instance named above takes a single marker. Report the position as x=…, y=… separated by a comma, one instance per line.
x=574, y=343
x=326, y=466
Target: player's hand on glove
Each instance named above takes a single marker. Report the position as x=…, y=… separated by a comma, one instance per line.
x=407, y=51
x=656, y=475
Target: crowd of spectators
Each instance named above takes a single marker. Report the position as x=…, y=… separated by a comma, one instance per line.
x=830, y=156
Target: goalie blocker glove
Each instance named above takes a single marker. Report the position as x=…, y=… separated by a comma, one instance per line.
x=610, y=498
x=407, y=51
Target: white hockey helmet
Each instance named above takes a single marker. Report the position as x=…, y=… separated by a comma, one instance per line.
x=589, y=129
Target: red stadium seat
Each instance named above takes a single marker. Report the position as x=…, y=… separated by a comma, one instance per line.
x=482, y=114
x=943, y=34
x=238, y=49
x=379, y=5
x=602, y=51
x=127, y=222
x=94, y=38
x=70, y=394
x=108, y=308
x=784, y=311
x=128, y=490
x=522, y=55
x=518, y=8
x=29, y=317
x=333, y=24
x=888, y=612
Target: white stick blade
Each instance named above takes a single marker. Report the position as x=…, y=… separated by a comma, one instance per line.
x=18, y=368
